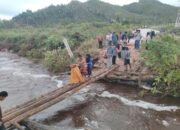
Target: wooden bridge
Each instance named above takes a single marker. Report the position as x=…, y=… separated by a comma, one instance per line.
x=12, y=117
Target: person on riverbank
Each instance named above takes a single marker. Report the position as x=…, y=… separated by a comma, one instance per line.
x=115, y=53
x=124, y=36
x=129, y=36
x=100, y=41
x=3, y=95
x=127, y=59
x=123, y=50
x=89, y=62
x=137, y=39
x=114, y=39
x=82, y=65
x=109, y=55
x=108, y=39
x=152, y=34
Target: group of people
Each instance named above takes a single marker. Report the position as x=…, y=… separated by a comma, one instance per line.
x=114, y=38
x=85, y=64
x=117, y=46
x=81, y=69
x=121, y=51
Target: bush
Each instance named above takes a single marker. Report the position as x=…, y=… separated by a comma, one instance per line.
x=161, y=56
x=24, y=48
x=57, y=60
x=88, y=47
x=35, y=53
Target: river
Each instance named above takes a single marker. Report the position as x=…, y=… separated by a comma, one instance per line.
x=99, y=106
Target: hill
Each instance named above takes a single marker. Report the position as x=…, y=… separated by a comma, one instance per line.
x=157, y=11
x=144, y=12
x=92, y=10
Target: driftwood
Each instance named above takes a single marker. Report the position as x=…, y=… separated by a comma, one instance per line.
x=36, y=105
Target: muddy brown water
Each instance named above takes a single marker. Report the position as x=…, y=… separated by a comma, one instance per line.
x=99, y=106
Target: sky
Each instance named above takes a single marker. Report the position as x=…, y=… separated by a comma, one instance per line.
x=11, y=8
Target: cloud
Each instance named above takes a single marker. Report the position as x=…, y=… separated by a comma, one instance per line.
x=5, y=17
x=120, y=2
x=171, y=2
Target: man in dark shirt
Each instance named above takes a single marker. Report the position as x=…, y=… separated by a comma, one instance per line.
x=3, y=95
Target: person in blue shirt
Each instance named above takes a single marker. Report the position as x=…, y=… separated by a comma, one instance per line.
x=109, y=54
x=137, y=39
x=89, y=62
x=114, y=39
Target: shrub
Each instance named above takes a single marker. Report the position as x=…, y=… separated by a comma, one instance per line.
x=35, y=53
x=88, y=47
x=57, y=60
x=161, y=56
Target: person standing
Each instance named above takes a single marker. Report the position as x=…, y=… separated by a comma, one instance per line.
x=152, y=34
x=115, y=52
x=127, y=59
x=100, y=41
x=108, y=39
x=82, y=65
x=124, y=36
x=137, y=39
x=129, y=36
x=114, y=39
x=3, y=95
x=89, y=62
x=109, y=54
x=123, y=50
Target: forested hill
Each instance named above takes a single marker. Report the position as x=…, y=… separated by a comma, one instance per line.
x=92, y=10
x=158, y=11
x=146, y=11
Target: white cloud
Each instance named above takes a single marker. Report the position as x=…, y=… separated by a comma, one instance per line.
x=5, y=17
x=120, y=2
x=172, y=2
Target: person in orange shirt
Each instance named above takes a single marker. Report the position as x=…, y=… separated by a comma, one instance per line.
x=100, y=41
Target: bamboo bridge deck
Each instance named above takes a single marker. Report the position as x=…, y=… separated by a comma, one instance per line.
x=15, y=115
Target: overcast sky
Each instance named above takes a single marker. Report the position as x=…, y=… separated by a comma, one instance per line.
x=10, y=8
